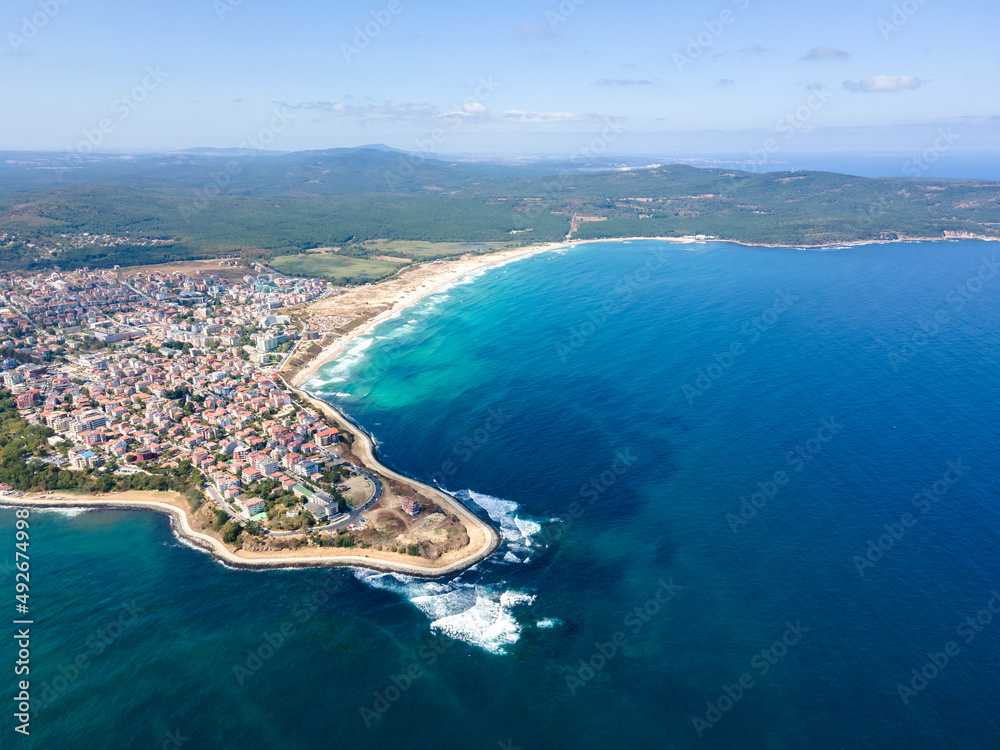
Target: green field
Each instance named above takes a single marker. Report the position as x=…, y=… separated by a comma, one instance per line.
x=334, y=268
x=419, y=251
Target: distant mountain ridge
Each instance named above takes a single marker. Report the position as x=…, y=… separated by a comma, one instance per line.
x=222, y=201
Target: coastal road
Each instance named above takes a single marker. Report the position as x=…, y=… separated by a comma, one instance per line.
x=288, y=356
x=346, y=519
x=365, y=449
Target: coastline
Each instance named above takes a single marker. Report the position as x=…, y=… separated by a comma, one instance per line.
x=451, y=270
x=862, y=243
x=180, y=524
x=449, y=274
x=365, y=446
x=482, y=535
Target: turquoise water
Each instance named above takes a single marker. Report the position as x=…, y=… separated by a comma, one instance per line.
x=688, y=448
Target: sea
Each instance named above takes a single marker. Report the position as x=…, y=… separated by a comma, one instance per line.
x=929, y=163
x=749, y=497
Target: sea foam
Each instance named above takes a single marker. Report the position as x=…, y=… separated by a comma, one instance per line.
x=516, y=531
x=477, y=614
x=548, y=623
x=489, y=623
x=67, y=512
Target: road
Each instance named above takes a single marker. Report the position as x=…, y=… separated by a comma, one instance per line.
x=346, y=519
x=140, y=293
x=25, y=315
x=287, y=356
x=216, y=498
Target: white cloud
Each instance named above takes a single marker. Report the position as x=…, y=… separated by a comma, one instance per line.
x=884, y=84
x=474, y=108
x=622, y=82
x=396, y=111
x=534, y=30
x=517, y=115
x=391, y=110
x=826, y=53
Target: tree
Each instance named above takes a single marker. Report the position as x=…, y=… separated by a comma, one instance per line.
x=220, y=518
x=231, y=532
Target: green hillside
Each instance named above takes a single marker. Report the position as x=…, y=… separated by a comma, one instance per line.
x=191, y=205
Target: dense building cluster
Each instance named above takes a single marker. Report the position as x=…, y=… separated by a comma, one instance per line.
x=139, y=371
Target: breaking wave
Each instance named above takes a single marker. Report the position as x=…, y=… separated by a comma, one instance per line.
x=477, y=614
x=517, y=532
x=67, y=512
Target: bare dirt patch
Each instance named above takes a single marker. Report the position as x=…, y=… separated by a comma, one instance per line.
x=196, y=269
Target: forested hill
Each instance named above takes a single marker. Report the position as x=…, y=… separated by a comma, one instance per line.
x=207, y=203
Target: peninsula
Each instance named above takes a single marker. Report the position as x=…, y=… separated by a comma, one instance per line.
x=163, y=391
x=143, y=350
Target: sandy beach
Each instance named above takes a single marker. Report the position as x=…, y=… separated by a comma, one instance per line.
x=368, y=305
x=364, y=307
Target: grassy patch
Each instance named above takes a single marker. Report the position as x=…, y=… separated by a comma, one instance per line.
x=335, y=268
x=419, y=251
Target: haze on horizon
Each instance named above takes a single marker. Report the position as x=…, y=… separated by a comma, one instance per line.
x=733, y=76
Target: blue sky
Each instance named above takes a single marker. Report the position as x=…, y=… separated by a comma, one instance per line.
x=730, y=76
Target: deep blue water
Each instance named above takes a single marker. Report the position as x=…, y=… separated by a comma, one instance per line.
x=552, y=392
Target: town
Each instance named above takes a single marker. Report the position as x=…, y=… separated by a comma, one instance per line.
x=168, y=381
